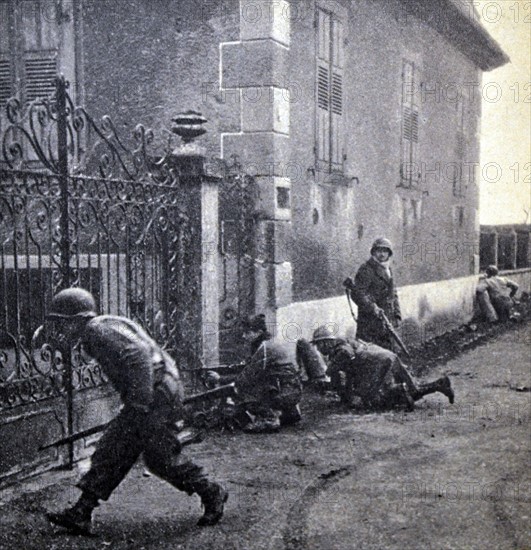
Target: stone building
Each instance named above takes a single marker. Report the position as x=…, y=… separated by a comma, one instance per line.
x=357, y=119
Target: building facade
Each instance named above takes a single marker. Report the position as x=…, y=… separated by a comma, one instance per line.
x=357, y=119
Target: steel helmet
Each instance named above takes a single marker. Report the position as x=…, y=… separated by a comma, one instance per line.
x=72, y=302
x=382, y=243
x=256, y=323
x=324, y=332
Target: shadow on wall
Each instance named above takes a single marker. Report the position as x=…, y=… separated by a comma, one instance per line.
x=321, y=280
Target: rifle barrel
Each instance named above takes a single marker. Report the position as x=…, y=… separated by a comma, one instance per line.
x=222, y=391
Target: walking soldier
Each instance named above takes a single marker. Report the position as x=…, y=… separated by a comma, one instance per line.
x=149, y=385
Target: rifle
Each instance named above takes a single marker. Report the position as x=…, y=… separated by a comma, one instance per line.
x=391, y=330
x=186, y=437
x=348, y=283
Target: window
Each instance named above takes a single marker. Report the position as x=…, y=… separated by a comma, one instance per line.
x=6, y=77
x=459, y=216
x=409, y=167
x=329, y=92
x=459, y=186
x=411, y=212
x=31, y=33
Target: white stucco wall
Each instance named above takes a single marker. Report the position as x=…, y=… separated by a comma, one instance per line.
x=428, y=309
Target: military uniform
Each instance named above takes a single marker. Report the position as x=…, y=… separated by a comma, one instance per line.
x=495, y=296
x=149, y=385
x=270, y=386
x=374, y=286
x=376, y=376
x=148, y=382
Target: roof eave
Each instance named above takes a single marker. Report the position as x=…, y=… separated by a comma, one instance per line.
x=461, y=29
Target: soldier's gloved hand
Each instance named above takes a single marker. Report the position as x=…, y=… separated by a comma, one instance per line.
x=377, y=311
x=348, y=283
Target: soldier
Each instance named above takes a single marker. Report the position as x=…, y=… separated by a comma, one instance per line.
x=495, y=295
x=269, y=386
x=374, y=292
x=373, y=374
x=312, y=363
x=149, y=385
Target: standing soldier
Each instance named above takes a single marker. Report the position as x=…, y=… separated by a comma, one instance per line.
x=149, y=385
x=374, y=292
x=373, y=374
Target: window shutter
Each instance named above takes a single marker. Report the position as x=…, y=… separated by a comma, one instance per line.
x=336, y=100
x=323, y=87
x=6, y=81
x=337, y=94
x=410, y=128
x=460, y=148
x=40, y=72
x=6, y=87
x=329, y=94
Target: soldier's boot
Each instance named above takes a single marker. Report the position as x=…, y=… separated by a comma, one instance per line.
x=265, y=421
x=338, y=382
x=213, y=498
x=78, y=518
x=400, y=395
x=263, y=425
x=442, y=385
x=290, y=415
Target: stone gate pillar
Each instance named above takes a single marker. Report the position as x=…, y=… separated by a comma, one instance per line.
x=200, y=271
x=258, y=68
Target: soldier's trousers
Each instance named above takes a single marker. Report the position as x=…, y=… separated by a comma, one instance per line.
x=131, y=434
x=376, y=371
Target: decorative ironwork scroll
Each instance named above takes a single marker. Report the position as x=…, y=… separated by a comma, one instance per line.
x=81, y=206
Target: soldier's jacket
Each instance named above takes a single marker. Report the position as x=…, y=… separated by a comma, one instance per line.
x=269, y=373
x=369, y=368
x=496, y=292
x=134, y=363
x=373, y=286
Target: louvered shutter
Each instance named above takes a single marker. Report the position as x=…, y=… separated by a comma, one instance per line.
x=336, y=100
x=40, y=70
x=6, y=80
x=460, y=147
x=40, y=49
x=6, y=86
x=410, y=127
x=323, y=87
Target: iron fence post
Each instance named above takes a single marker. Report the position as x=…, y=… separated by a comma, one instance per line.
x=62, y=162
x=65, y=281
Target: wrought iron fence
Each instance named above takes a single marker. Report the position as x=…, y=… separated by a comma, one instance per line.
x=79, y=207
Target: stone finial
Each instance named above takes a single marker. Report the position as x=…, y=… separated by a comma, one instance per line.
x=188, y=125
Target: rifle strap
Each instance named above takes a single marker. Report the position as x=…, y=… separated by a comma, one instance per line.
x=347, y=292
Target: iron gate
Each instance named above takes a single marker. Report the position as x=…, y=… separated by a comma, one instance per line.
x=80, y=208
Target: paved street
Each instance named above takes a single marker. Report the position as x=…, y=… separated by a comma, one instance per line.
x=443, y=477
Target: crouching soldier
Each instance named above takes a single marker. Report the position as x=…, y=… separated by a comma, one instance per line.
x=495, y=295
x=269, y=386
x=312, y=363
x=373, y=374
x=149, y=385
